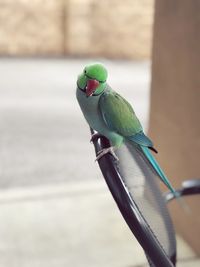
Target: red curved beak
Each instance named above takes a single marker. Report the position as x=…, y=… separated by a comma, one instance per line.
x=91, y=86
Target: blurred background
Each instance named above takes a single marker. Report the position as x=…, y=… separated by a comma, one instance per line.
x=77, y=28
x=55, y=209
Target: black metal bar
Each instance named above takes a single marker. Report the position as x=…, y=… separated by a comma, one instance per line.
x=128, y=208
x=189, y=187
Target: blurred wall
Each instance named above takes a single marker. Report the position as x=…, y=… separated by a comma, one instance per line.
x=114, y=28
x=31, y=27
x=175, y=102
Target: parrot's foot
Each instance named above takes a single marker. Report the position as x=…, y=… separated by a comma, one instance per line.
x=104, y=151
x=94, y=137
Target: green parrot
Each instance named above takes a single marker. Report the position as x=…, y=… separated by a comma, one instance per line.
x=112, y=116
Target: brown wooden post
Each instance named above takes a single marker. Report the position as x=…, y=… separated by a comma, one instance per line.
x=175, y=103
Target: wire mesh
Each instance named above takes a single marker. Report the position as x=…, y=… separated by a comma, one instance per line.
x=142, y=184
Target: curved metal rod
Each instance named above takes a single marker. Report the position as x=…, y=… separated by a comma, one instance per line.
x=189, y=187
x=128, y=208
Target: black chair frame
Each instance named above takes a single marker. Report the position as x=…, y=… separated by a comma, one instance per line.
x=129, y=210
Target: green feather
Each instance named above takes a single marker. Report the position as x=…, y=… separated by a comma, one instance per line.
x=141, y=139
x=157, y=168
x=118, y=114
x=96, y=71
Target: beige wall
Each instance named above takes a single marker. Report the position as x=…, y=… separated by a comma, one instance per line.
x=175, y=103
x=114, y=28
x=31, y=27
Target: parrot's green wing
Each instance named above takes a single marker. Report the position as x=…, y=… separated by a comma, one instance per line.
x=118, y=114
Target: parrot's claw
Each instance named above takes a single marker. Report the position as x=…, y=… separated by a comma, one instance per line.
x=104, y=151
x=94, y=137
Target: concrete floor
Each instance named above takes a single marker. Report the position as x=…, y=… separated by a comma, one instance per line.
x=55, y=209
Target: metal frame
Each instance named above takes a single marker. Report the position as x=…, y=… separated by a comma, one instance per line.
x=189, y=187
x=129, y=210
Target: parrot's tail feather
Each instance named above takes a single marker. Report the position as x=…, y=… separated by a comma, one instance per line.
x=153, y=149
x=154, y=166
x=164, y=179
x=157, y=168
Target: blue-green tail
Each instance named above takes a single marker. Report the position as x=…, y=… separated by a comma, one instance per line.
x=157, y=168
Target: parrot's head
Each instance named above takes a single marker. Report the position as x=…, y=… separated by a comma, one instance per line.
x=93, y=79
